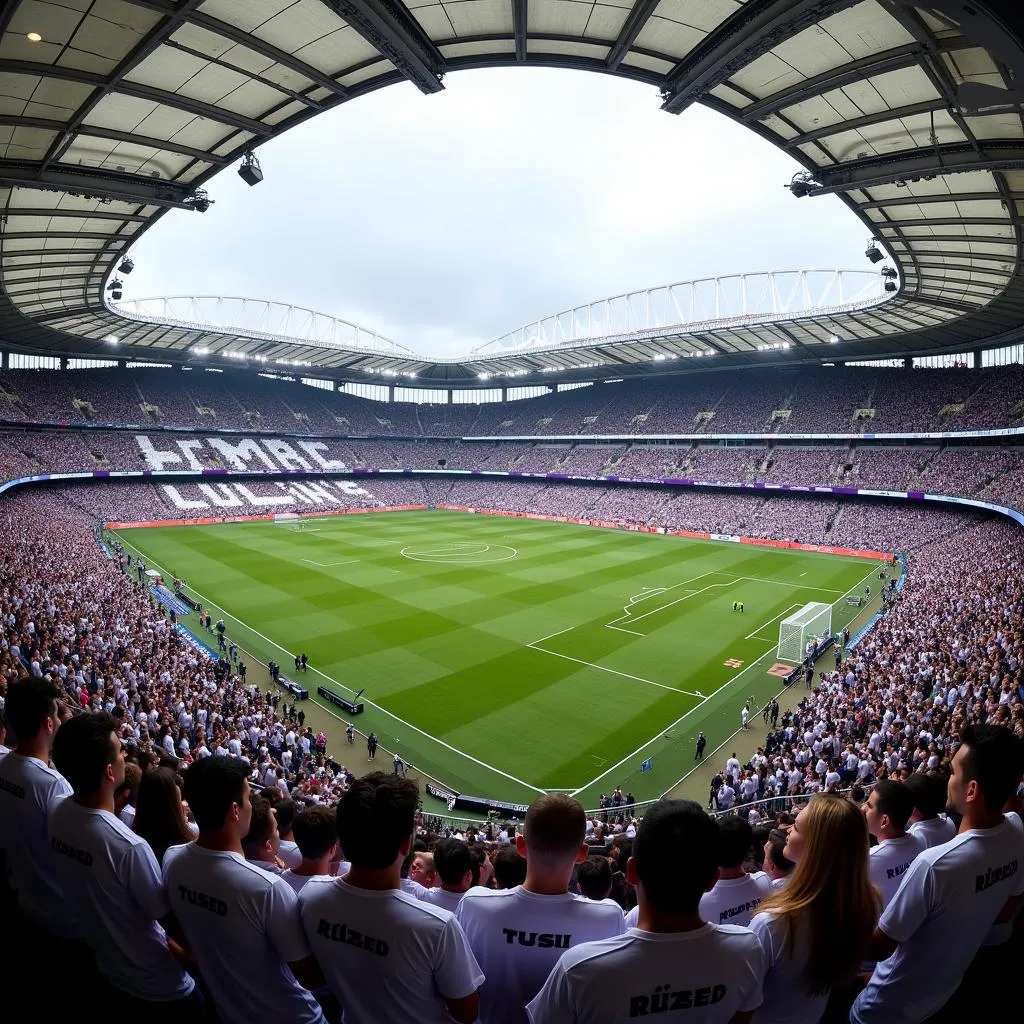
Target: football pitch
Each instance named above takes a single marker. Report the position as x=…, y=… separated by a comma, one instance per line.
x=508, y=657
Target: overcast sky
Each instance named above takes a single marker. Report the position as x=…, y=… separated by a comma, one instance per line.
x=444, y=221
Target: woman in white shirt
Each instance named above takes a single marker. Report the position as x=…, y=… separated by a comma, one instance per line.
x=814, y=932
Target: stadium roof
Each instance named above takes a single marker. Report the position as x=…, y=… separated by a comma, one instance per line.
x=114, y=111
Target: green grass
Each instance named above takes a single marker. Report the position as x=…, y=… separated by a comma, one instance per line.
x=507, y=657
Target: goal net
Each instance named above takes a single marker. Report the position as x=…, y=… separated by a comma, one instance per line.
x=813, y=621
x=289, y=520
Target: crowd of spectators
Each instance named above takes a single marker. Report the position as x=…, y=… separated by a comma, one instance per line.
x=993, y=474
x=224, y=881
x=822, y=400
x=874, y=526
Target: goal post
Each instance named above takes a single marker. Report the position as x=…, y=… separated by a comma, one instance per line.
x=289, y=520
x=812, y=621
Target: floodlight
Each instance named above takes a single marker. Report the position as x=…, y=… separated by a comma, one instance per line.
x=889, y=273
x=199, y=201
x=802, y=184
x=891, y=286
x=873, y=253
x=249, y=171
x=126, y=267
x=115, y=288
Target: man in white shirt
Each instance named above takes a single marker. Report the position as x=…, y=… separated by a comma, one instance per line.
x=926, y=821
x=952, y=894
x=736, y=894
x=111, y=879
x=517, y=935
x=886, y=811
x=457, y=871
x=388, y=957
x=287, y=848
x=241, y=922
x=672, y=961
x=261, y=842
x=777, y=866
x=317, y=838
x=29, y=790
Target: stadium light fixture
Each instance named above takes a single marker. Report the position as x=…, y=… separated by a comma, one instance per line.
x=114, y=288
x=803, y=183
x=201, y=350
x=889, y=273
x=249, y=171
x=199, y=201
x=126, y=267
x=833, y=339
x=112, y=339
x=891, y=286
x=33, y=37
x=873, y=253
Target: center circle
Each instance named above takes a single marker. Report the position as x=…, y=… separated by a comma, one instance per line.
x=468, y=553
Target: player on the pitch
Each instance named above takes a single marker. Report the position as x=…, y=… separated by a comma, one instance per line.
x=737, y=606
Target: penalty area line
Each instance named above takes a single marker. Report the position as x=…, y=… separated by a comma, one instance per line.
x=329, y=565
x=604, y=668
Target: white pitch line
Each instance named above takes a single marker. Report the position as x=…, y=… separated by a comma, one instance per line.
x=786, y=583
x=754, y=636
x=383, y=710
x=638, y=750
x=622, y=629
x=329, y=565
x=550, y=635
x=724, y=686
x=614, y=671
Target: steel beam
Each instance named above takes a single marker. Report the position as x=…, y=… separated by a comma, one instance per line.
x=95, y=183
x=389, y=26
x=856, y=71
x=634, y=24
x=915, y=164
x=250, y=42
x=938, y=197
x=151, y=42
x=94, y=131
x=520, y=21
x=142, y=92
x=44, y=211
x=748, y=33
x=867, y=121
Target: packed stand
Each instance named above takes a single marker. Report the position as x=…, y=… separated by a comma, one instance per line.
x=190, y=850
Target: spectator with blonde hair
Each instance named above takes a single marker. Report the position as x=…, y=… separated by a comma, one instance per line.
x=815, y=931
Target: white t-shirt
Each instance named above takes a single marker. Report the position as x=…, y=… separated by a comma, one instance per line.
x=1000, y=933
x=412, y=887
x=518, y=936
x=443, y=898
x=389, y=958
x=735, y=900
x=242, y=925
x=289, y=852
x=702, y=977
x=112, y=884
x=934, y=831
x=786, y=1000
x=298, y=882
x=948, y=901
x=889, y=862
x=29, y=790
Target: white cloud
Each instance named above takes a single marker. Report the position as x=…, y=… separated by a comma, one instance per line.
x=444, y=221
